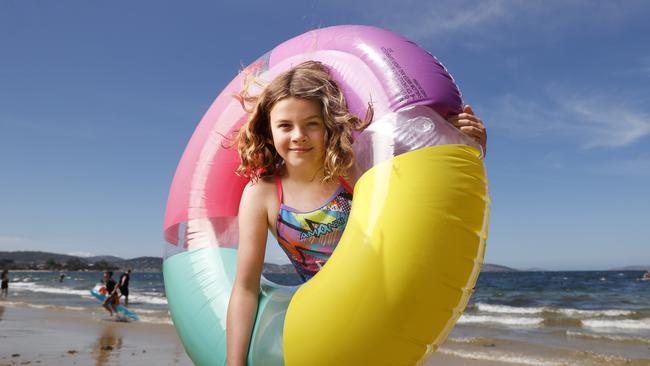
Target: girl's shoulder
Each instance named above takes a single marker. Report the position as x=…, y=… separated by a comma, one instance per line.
x=260, y=199
x=261, y=190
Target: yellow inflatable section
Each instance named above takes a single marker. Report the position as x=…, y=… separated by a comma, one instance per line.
x=403, y=271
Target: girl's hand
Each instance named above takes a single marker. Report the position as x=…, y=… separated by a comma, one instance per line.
x=468, y=123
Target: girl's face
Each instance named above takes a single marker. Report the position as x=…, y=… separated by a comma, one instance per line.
x=298, y=132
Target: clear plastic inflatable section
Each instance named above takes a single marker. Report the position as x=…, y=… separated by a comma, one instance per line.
x=409, y=129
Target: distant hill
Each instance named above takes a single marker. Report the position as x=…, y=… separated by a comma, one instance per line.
x=487, y=267
x=107, y=258
x=29, y=256
x=55, y=261
x=37, y=260
x=632, y=268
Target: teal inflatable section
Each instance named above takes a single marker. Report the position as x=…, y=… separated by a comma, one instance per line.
x=198, y=285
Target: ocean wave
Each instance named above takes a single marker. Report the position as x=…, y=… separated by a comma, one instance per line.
x=56, y=307
x=627, y=324
x=156, y=320
x=502, y=320
x=592, y=313
x=33, y=287
x=156, y=300
x=147, y=297
x=152, y=311
x=607, y=337
x=505, y=309
x=467, y=340
x=501, y=357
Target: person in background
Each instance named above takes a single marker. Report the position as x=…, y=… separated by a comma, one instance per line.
x=124, y=286
x=112, y=299
x=5, y=283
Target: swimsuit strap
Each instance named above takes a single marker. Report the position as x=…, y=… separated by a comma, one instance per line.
x=278, y=184
x=346, y=185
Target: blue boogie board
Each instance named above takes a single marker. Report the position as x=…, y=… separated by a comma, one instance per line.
x=121, y=309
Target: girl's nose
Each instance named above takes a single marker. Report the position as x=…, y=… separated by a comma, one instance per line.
x=299, y=134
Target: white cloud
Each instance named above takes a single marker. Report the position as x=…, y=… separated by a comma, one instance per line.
x=449, y=17
x=480, y=23
x=592, y=121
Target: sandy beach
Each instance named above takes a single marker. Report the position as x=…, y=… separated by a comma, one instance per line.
x=44, y=336
x=31, y=336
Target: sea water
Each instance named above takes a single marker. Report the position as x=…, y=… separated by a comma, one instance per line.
x=39, y=289
x=521, y=318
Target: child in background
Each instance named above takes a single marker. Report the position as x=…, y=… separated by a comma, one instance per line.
x=112, y=298
x=296, y=148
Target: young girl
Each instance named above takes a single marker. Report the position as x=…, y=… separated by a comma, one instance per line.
x=296, y=149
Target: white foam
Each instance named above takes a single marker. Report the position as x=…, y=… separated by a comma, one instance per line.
x=628, y=324
x=157, y=300
x=610, y=313
x=501, y=357
x=465, y=339
x=31, y=286
x=156, y=320
x=150, y=311
x=501, y=320
x=505, y=309
x=151, y=298
x=607, y=337
x=56, y=307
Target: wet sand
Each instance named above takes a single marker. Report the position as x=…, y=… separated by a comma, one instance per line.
x=31, y=336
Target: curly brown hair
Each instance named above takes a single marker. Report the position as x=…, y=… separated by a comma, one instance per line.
x=309, y=80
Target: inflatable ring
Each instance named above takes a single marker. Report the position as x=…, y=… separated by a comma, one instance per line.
x=412, y=250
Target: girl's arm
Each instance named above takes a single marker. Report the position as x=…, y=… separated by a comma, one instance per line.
x=253, y=229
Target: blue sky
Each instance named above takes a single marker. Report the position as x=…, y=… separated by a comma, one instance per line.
x=98, y=99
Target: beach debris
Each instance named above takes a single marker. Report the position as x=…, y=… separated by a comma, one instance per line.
x=72, y=351
x=107, y=348
x=15, y=355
